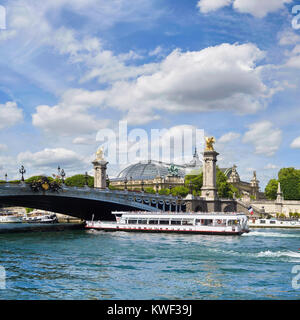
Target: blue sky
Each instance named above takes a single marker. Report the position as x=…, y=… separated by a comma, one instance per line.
x=71, y=68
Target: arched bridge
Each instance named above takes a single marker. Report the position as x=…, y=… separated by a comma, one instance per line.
x=84, y=202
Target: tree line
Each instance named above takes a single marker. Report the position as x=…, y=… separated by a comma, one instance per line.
x=289, y=179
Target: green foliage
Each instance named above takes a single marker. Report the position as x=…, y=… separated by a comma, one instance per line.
x=180, y=191
x=2, y=181
x=28, y=210
x=196, y=182
x=110, y=187
x=225, y=189
x=37, y=178
x=271, y=189
x=15, y=181
x=289, y=179
x=165, y=192
x=150, y=190
x=79, y=181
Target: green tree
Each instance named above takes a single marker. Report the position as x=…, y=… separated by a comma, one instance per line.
x=164, y=192
x=180, y=191
x=225, y=189
x=289, y=179
x=79, y=181
x=149, y=190
x=36, y=178
x=196, y=182
x=271, y=189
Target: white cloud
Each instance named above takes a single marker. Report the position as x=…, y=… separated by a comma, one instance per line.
x=3, y=147
x=296, y=143
x=50, y=158
x=228, y=137
x=219, y=78
x=71, y=115
x=257, y=8
x=288, y=37
x=84, y=140
x=270, y=166
x=212, y=5
x=265, y=138
x=10, y=114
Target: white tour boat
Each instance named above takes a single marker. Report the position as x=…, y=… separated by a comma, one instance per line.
x=201, y=223
x=273, y=223
x=11, y=217
x=39, y=217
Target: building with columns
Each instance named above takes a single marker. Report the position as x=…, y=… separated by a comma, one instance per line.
x=161, y=175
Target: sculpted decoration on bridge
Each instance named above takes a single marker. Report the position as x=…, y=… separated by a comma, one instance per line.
x=99, y=154
x=209, y=143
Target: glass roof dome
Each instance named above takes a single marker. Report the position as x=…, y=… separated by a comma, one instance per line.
x=147, y=171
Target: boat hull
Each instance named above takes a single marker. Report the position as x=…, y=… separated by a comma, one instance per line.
x=161, y=230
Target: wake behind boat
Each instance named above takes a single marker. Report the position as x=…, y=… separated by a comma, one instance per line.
x=201, y=223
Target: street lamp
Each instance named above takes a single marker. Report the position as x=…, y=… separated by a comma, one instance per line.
x=62, y=174
x=5, y=177
x=86, y=176
x=157, y=187
x=142, y=184
x=22, y=171
x=125, y=183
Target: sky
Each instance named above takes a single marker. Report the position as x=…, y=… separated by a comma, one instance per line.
x=69, y=68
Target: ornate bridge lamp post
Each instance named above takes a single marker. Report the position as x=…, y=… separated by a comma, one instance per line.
x=63, y=174
x=131, y=183
x=142, y=185
x=22, y=171
x=107, y=182
x=157, y=187
x=125, y=183
x=86, y=177
x=6, y=177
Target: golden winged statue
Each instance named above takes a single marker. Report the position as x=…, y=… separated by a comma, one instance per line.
x=209, y=143
x=99, y=154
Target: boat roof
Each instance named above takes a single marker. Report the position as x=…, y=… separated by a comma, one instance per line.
x=179, y=215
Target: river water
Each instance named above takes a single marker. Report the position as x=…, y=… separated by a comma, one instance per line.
x=99, y=265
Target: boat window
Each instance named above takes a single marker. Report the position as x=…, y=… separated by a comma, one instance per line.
x=132, y=221
x=272, y=222
x=142, y=221
x=176, y=222
x=163, y=221
x=220, y=222
x=207, y=222
x=262, y=221
x=153, y=221
x=232, y=222
x=187, y=222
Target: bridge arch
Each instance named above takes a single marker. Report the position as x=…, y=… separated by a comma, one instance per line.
x=83, y=202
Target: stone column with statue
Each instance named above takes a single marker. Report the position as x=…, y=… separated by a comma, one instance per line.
x=100, y=166
x=209, y=188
